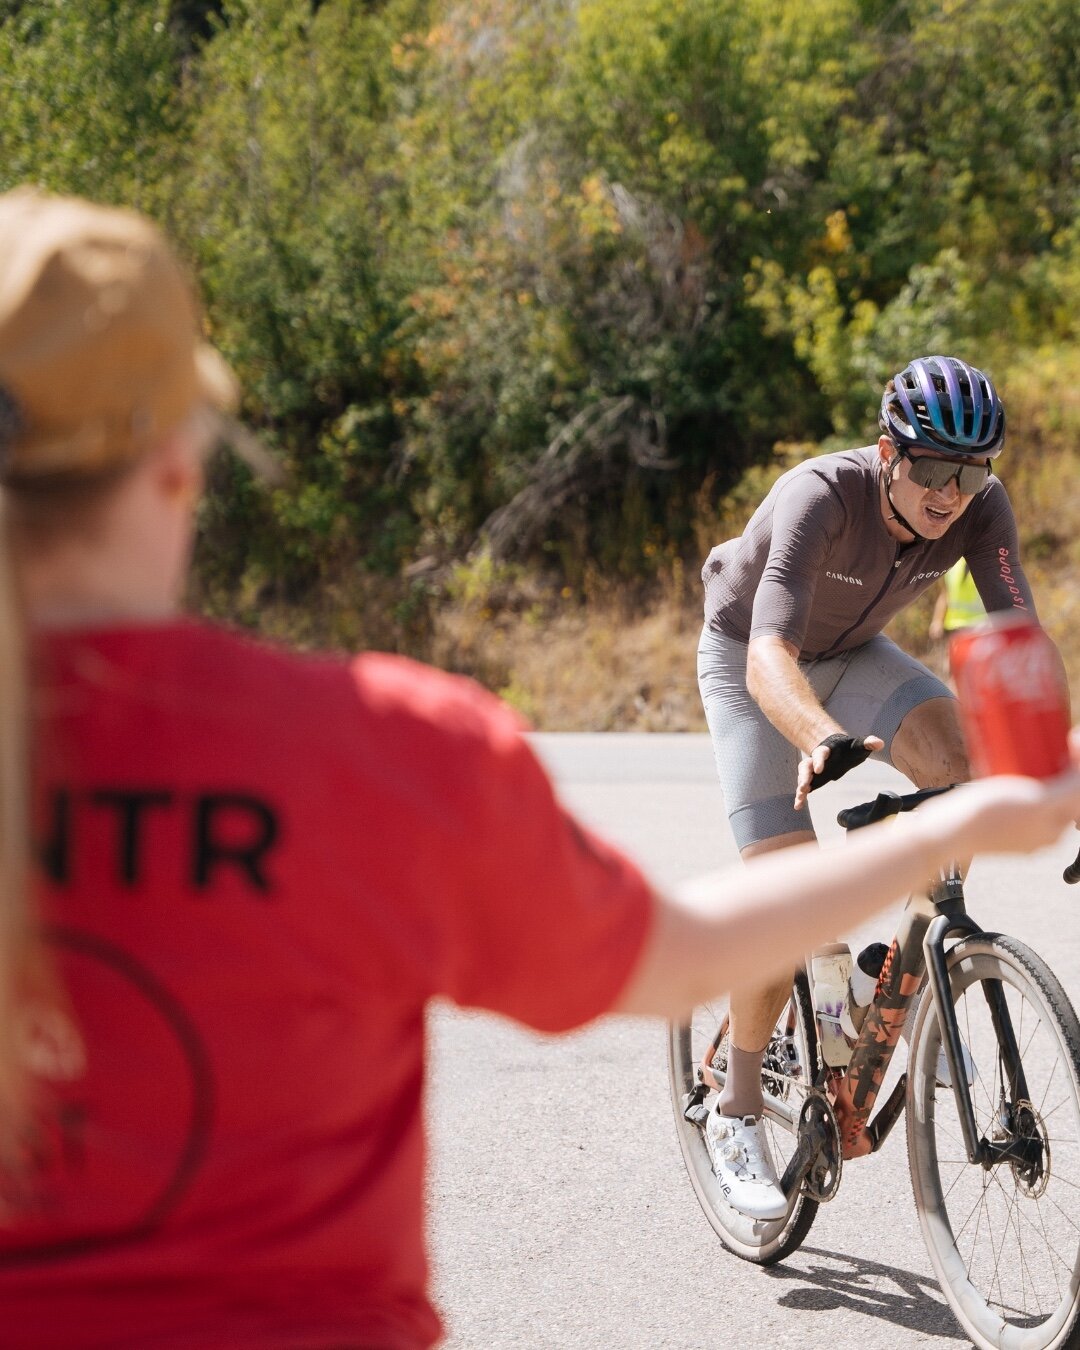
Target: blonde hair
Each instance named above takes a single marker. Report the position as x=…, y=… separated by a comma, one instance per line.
x=34, y=517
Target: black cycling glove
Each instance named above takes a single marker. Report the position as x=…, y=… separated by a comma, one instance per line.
x=844, y=753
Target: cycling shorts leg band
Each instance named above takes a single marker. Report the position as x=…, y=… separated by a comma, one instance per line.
x=768, y=819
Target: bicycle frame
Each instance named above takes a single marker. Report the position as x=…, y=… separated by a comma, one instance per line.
x=918, y=951
x=856, y=1090
x=918, y=948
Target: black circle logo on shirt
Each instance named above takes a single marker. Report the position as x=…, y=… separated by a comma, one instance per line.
x=127, y=1099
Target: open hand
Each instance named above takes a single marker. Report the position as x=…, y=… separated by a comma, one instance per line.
x=815, y=765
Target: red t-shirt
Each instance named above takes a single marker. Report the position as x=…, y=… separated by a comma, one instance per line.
x=259, y=867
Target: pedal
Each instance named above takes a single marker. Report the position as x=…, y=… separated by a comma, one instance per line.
x=694, y=1108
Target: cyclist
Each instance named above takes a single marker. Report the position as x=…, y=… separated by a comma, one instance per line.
x=255, y=869
x=798, y=682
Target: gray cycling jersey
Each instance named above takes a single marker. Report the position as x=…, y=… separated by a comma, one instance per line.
x=817, y=566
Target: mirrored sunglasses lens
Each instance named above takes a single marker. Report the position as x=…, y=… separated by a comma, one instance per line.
x=937, y=474
x=973, y=478
x=931, y=473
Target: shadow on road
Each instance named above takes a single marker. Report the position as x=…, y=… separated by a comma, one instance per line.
x=823, y=1281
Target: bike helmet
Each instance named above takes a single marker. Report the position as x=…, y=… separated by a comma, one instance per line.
x=941, y=403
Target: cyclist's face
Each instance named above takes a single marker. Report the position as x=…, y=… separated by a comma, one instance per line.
x=930, y=510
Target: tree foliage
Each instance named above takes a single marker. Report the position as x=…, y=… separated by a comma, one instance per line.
x=526, y=273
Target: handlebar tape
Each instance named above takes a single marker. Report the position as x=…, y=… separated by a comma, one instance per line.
x=887, y=803
x=884, y=804
x=1072, y=873
x=845, y=752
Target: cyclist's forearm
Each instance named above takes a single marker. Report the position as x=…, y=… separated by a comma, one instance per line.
x=780, y=689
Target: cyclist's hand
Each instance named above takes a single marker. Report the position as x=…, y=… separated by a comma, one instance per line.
x=830, y=760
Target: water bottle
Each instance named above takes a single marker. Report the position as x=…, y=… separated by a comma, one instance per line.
x=830, y=969
x=861, y=987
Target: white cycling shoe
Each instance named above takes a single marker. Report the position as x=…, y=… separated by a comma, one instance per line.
x=742, y=1161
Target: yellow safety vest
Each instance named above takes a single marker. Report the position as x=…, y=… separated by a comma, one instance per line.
x=964, y=605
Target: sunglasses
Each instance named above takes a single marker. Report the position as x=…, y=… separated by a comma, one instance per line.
x=936, y=474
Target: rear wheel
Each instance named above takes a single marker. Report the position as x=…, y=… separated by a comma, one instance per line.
x=1004, y=1240
x=697, y=1051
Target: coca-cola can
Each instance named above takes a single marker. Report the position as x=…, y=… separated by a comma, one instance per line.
x=1013, y=702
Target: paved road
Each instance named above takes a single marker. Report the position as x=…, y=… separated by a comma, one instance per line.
x=562, y=1216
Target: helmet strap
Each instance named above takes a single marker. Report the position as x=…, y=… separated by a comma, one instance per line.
x=890, y=469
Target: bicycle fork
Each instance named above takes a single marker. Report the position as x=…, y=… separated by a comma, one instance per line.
x=1019, y=1146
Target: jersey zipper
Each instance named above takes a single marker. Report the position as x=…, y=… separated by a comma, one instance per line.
x=821, y=656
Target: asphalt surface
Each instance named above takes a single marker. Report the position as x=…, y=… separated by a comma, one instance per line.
x=561, y=1213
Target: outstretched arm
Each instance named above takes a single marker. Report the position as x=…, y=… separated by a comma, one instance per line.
x=761, y=919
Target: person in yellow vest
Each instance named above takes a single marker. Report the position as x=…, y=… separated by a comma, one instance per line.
x=958, y=605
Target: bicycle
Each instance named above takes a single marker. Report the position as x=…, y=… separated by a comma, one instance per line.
x=994, y=1153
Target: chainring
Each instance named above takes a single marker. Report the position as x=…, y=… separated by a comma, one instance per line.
x=822, y=1181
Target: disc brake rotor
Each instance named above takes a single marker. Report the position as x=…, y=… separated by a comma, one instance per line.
x=1034, y=1177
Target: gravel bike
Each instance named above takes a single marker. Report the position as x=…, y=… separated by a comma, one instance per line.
x=992, y=1094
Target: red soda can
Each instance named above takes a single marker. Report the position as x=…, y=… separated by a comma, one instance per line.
x=1013, y=705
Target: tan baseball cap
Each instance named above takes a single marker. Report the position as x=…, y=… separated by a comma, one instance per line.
x=101, y=351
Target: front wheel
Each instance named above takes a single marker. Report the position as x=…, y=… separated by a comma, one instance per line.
x=1004, y=1240
x=697, y=1050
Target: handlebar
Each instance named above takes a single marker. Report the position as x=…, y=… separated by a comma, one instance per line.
x=892, y=803
x=887, y=804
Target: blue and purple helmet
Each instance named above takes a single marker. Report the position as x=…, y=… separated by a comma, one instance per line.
x=941, y=403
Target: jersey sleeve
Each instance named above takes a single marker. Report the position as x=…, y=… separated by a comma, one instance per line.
x=808, y=516
x=993, y=554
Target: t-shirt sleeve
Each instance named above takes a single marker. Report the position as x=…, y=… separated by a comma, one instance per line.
x=993, y=554
x=495, y=896
x=546, y=920
x=808, y=516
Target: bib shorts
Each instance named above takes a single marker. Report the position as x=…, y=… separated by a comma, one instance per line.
x=869, y=690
